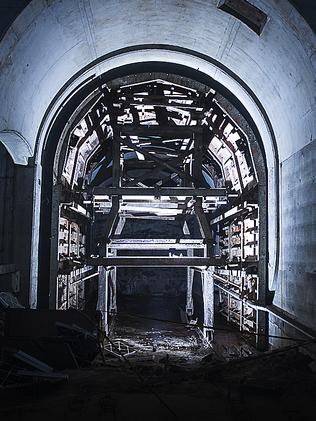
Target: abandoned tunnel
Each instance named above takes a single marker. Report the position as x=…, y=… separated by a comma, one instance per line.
x=157, y=196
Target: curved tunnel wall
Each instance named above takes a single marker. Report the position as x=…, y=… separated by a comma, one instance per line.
x=50, y=42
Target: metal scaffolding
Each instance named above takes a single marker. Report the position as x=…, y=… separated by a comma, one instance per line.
x=160, y=151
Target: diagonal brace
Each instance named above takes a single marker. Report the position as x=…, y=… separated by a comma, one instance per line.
x=164, y=164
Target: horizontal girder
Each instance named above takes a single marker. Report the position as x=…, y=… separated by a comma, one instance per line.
x=158, y=192
x=156, y=244
x=153, y=261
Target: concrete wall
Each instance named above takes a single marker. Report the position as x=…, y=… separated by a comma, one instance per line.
x=16, y=189
x=296, y=286
x=6, y=207
x=53, y=40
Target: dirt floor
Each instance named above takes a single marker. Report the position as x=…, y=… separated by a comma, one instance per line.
x=171, y=373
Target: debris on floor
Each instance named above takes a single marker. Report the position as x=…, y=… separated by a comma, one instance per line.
x=146, y=369
x=36, y=345
x=118, y=348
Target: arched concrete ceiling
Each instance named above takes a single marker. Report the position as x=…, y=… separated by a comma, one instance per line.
x=51, y=41
x=307, y=8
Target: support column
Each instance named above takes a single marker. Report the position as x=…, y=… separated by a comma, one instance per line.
x=264, y=295
x=113, y=302
x=262, y=338
x=190, y=275
x=208, y=302
x=189, y=308
x=102, y=304
x=204, y=226
x=198, y=153
x=22, y=214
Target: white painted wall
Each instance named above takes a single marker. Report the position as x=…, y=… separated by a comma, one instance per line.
x=51, y=40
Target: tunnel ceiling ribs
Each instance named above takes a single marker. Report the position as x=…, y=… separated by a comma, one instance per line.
x=157, y=150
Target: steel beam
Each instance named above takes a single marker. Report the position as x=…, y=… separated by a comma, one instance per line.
x=157, y=169
x=120, y=226
x=153, y=217
x=153, y=261
x=197, y=158
x=185, y=229
x=190, y=276
x=156, y=241
x=112, y=219
x=166, y=179
x=102, y=304
x=177, y=132
x=156, y=246
x=113, y=300
x=162, y=104
x=113, y=274
x=208, y=302
x=158, y=192
x=203, y=225
x=116, y=166
x=153, y=157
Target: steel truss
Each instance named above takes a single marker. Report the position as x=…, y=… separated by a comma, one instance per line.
x=176, y=136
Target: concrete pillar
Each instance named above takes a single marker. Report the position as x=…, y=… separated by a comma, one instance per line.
x=208, y=302
x=262, y=339
x=22, y=228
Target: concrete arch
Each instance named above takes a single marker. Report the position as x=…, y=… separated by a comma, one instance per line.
x=199, y=63
x=53, y=47
x=17, y=146
x=50, y=41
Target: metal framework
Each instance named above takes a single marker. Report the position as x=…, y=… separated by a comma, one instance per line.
x=158, y=150
x=150, y=261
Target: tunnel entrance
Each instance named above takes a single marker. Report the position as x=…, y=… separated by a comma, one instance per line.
x=158, y=209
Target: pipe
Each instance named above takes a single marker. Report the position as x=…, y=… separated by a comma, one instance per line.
x=85, y=278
